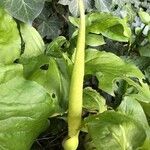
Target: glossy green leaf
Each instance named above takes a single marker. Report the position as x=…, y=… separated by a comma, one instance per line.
x=94, y=40
x=54, y=77
x=133, y=109
x=23, y=10
x=145, y=17
x=106, y=24
x=111, y=130
x=34, y=44
x=55, y=49
x=10, y=42
x=107, y=67
x=31, y=64
x=109, y=25
x=24, y=107
x=75, y=21
x=143, y=94
x=93, y=101
x=116, y=33
x=8, y=72
x=107, y=20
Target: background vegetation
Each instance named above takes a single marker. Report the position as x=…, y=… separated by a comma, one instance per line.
x=37, y=48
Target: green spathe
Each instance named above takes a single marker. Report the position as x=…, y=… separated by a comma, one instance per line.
x=76, y=87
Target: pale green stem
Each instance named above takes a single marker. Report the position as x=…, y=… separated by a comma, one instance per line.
x=76, y=87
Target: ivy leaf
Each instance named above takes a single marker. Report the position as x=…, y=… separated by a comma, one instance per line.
x=50, y=27
x=120, y=3
x=48, y=23
x=23, y=10
x=112, y=6
x=64, y=2
x=73, y=5
x=103, y=5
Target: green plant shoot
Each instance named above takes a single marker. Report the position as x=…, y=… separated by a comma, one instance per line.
x=76, y=87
